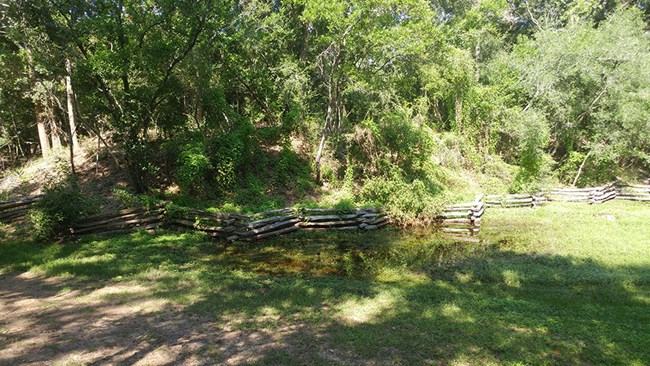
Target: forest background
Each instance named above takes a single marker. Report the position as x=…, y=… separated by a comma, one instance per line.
x=400, y=103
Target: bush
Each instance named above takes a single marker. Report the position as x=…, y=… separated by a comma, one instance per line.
x=406, y=202
x=61, y=206
x=193, y=168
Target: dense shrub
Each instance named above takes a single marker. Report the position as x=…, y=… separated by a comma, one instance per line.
x=404, y=201
x=194, y=167
x=61, y=206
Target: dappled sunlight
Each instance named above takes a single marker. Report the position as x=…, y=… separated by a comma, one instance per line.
x=370, y=310
x=455, y=314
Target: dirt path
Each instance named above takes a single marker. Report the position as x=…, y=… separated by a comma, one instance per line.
x=52, y=321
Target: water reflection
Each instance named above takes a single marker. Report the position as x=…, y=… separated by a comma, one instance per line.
x=349, y=254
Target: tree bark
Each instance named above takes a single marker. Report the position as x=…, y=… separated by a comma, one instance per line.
x=70, y=98
x=42, y=129
x=580, y=169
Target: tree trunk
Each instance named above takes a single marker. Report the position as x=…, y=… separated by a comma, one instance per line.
x=42, y=129
x=70, y=97
x=54, y=132
x=458, y=113
x=319, y=154
x=575, y=180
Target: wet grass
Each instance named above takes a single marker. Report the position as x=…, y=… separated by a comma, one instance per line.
x=563, y=284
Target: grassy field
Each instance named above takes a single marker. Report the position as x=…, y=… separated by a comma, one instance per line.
x=563, y=284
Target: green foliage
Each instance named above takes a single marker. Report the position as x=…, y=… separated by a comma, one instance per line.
x=62, y=205
x=404, y=201
x=194, y=168
x=291, y=171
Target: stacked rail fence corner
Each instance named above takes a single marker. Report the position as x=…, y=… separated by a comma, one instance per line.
x=463, y=218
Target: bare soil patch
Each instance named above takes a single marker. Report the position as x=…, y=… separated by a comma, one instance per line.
x=46, y=321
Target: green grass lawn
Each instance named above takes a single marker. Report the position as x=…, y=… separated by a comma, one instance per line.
x=563, y=284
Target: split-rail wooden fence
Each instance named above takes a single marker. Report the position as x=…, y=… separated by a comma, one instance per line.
x=456, y=219
x=463, y=218
x=16, y=209
x=219, y=225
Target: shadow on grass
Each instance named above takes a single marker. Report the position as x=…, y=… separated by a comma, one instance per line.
x=500, y=307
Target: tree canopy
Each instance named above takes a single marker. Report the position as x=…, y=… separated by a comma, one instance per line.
x=211, y=93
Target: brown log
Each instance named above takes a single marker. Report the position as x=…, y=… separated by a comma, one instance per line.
x=270, y=220
x=195, y=226
x=272, y=212
x=215, y=216
x=112, y=231
x=17, y=202
x=376, y=221
x=118, y=225
x=14, y=213
x=329, y=217
x=522, y=200
x=274, y=233
x=374, y=227
x=90, y=223
x=264, y=229
x=327, y=224
x=105, y=215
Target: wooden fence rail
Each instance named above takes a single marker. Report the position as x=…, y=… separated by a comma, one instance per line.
x=16, y=209
x=463, y=218
x=232, y=226
x=634, y=192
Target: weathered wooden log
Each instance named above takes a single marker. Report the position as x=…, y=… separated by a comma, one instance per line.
x=269, y=234
x=455, y=215
x=518, y=205
x=329, y=217
x=478, y=213
x=15, y=212
x=572, y=194
x=268, y=228
x=105, y=215
x=118, y=225
x=519, y=200
x=372, y=216
x=270, y=220
x=325, y=224
x=467, y=205
x=634, y=198
x=10, y=219
x=272, y=212
x=225, y=217
x=569, y=199
x=18, y=202
x=90, y=223
x=124, y=230
x=373, y=227
x=193, y=225
x=376, y=220
x=339, y=228
x=336, y=211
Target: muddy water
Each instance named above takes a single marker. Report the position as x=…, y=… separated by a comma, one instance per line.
x=348, y=254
